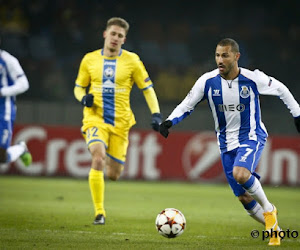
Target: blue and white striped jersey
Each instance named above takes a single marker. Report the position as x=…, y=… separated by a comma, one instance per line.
x=235, y=105
x=13, y=81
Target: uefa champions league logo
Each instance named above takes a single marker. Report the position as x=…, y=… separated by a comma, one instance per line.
x=245, y=92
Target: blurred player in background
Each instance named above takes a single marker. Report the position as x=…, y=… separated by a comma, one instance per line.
x=103, y=87
x=233, y=97
x=13, y=81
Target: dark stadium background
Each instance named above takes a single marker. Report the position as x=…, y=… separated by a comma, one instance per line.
x=48, y=205
x=175, y=40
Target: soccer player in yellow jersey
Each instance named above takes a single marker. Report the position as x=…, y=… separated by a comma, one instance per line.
x=103, y=86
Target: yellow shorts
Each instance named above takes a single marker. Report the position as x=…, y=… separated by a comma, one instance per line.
x=114, y=139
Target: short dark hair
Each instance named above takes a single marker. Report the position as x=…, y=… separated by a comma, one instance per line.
x=119, y=22
x=230, y=42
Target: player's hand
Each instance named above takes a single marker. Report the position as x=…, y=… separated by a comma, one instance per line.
x=297, y=123
x=156, y=121
x=164, y=128
x=88, y=100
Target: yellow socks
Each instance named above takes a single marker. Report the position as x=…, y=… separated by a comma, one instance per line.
x=96, y=183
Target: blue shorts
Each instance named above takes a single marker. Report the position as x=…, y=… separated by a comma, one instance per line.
x=247, y=156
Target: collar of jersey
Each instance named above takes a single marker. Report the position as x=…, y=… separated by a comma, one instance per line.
x=121, y=50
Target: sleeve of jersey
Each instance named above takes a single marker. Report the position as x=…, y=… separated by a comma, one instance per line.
x=18, y=77
x=151, y=100
x=79, y=92
x=143, y=81
x=82, y=80
x=271, y=86
x=140, y=75
x=186, y=107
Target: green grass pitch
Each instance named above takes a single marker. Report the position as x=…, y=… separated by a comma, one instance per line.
x=57, y=213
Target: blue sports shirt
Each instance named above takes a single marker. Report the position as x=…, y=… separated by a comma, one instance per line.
x=13, y=81
x=235, y=105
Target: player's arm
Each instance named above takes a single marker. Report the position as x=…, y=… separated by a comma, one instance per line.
x=17, y=75
x=185, y=108
x=152, y=102
x=143, y=81
x=84, y=98
x=271, y=86
x=81, y=83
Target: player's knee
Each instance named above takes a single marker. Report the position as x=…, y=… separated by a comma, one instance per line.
x=113, y=177
x=99, y=161
x=98, y=156
x=113, y=173
x=240, y=174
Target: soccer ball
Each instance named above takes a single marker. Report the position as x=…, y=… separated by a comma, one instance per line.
x=170, y=223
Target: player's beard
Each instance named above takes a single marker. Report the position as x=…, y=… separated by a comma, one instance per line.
x=112, y=50
x=228, y=68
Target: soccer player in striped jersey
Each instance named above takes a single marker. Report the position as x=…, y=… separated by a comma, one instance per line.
x=103, y=85
x=233, y=97
x=13, y=81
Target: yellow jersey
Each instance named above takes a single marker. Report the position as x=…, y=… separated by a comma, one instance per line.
x=110, y=80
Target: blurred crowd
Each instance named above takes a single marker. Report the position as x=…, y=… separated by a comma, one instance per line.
x=175, y=40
